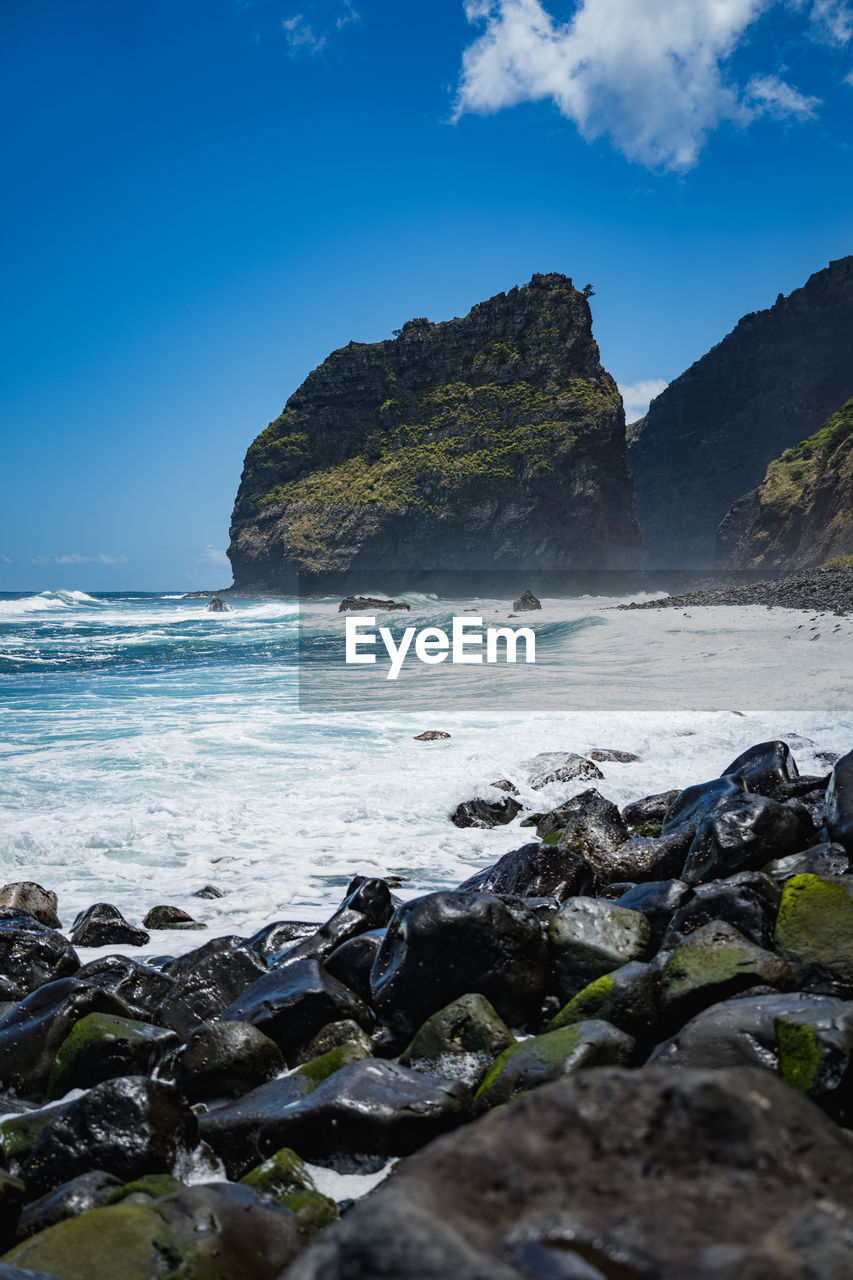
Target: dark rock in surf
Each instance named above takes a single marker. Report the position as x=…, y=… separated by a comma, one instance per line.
x=359, y=604
x=103, y=925
x=485, y=813
x=746, y=836
x=526, y=602
x=209, y=988
x=31, y=897
x=839, y=803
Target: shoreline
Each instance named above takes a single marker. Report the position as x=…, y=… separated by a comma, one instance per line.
x=811, y=590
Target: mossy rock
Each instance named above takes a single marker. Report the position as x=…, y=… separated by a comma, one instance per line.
x=19, y=1133
x=628, y=998
x=814, y=1048
x=319, y=1069
x=103, y=1244
x=285, y=1178
x=460, y=1041
x=714, y=963
x=332, y=1036
x=102, y=1046
x=153, y=1185
x=814, y=927
x=534, y=1062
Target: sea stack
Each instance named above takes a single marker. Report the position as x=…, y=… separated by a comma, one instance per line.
x=494, y=441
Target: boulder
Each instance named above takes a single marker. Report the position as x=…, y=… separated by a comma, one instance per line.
x=29, y=896
x=139, y=985
x=746, y=836
x=232, y=1131
x=839, y=803
x=126, y=1127
x=646, y=858
x=103, y=925
x=323, y=1065
x=648, y=809
x=285, y=1177
x=32, y=1032
x=447, y=944
x=352, y=961
x=814, y=1044
x=748, y=900
x=713, y=963
x=765, y=767
x=204, y=1232
x=371, y=1108
x=739, y=1032
x=223, y=1059
x=209, y=988
x=177, y=967
x=658, y=901
x=541, y=1059
x=164, y=917
x=368, y=905
x=279, y=935
x=589, y=825
x=628, y=998
x=485, y=813
x=101, y=1046
x=819, y=860
x=333, y=1036
x=460, y=1042
x=610, y=1173
x=431, y=735
x=86, y=1191
x=292, y=1003
x=590, y=937
x=535, y=870
x=695, y=803
x=209, y=891
x=560, y=766
x=606, y=755
x=814, y=930
x=31, y=955
x=525, y=602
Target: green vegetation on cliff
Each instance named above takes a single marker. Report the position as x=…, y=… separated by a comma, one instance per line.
x=801, y=514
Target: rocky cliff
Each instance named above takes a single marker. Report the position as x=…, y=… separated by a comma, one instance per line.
x=708, y=438
x=802, y=512
x=492, y=441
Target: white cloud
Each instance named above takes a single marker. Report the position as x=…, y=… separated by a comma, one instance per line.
x=74, y=558
x=651, y=75
x=310, y=33
x=636, y=396
x=6, y=560
x=772, y=96
x=212, y=555
x=832, y=21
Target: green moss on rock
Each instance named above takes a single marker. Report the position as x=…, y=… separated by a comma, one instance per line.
x=285, y=1177
x=815, y=924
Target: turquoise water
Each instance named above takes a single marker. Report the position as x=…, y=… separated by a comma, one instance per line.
x=148, y=747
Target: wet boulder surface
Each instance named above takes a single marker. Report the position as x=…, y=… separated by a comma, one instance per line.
x=615, y=1173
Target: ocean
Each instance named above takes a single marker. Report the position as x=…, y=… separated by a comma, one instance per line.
x=150, y=747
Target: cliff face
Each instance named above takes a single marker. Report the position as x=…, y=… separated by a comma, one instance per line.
x=492, y=441
x=802, y=512
x=708, y=438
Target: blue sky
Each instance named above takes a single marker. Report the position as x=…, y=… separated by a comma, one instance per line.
x=204, y=197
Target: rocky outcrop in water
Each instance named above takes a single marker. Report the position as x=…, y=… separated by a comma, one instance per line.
x=488, y=442
x=800, y=515
x=709, y=437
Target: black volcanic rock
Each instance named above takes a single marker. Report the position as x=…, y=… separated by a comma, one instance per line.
x=492, y=441
x=708, y=438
